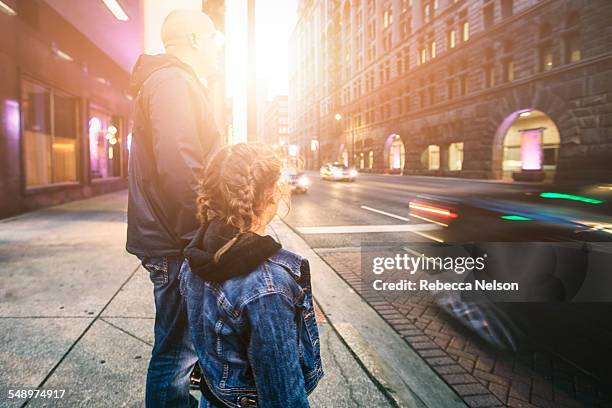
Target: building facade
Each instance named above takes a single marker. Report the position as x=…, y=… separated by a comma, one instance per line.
x=276, y=122
x=65, y=107
x=499, y=89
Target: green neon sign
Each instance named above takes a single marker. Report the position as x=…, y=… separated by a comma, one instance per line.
x=572, y=197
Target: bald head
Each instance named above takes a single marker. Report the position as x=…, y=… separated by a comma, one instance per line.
x=180, y=25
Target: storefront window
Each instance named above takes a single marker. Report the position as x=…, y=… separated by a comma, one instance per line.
x=50, y=134
x=104, y=144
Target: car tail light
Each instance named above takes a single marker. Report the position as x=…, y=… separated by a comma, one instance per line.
x=433, y=210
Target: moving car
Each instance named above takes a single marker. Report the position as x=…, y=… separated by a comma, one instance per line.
x=337, y=171
x=556, y=242
x=297, y=180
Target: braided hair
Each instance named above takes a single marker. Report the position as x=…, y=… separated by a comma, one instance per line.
x=236, y=187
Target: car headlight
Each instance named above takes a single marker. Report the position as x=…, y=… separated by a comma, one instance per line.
x=353, y=173
x=303, y=181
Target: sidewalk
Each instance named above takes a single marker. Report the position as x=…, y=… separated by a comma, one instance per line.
x=76, y=314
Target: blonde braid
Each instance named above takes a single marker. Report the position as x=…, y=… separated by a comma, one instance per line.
x=236, y=185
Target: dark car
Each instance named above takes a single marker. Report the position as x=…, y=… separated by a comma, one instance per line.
x=337, y=171
x=556, y=242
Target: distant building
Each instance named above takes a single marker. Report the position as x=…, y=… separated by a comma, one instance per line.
x=276, y=122
x=228, y=133
x=495, y=89
x=64, y=102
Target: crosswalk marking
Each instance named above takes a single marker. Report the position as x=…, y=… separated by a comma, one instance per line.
x=388, y=214
x=360, y=229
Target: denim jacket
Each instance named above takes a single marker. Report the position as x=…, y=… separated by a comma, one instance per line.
x=256, y=335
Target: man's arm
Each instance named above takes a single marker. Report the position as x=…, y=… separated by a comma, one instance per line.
x=273, y=352
x=179, y=153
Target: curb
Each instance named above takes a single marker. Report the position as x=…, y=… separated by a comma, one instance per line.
x=402, y=375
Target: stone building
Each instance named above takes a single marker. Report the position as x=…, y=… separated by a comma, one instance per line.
x=496, y=89
x=275, y=121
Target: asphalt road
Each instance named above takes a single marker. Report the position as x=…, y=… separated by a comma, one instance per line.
x=372, y=200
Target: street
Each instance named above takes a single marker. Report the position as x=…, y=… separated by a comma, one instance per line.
x=335, y=218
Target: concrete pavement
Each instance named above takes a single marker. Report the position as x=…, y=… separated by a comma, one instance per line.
x=76, y=314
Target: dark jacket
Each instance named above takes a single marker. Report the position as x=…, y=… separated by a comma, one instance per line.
x=252, y=320
x=173, y=136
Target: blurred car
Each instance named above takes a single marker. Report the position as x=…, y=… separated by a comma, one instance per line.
x=298, y=182
x=557, y=242
x=337, y=171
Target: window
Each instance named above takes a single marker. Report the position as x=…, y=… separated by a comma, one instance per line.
x=405, y=29
x=572, y=43
x=450, y=88
x=546, y=57
x=507, y=8
x=545, y=48
x=432, y=49
x=431, y=157
x=104, y=144
x=451, y=38
x=463, y=84
x=426, y=12
x=400, y=63
x=50, y=131
x=573, y=52
x=488, y=14
x=370, y=159
x=387, y=70
x=465, y=31
x=422, y=57
x=455, y=156
x=489, y=76
x=508, y=70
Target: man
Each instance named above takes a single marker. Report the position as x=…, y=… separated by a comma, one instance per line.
x=174, y=134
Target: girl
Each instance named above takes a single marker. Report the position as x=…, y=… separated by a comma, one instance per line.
x=249, y=302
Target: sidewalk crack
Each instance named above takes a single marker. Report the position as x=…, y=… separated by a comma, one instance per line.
x=125, y=331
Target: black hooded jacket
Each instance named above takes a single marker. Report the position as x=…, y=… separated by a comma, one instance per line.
x=173, y=137
x=244, y=256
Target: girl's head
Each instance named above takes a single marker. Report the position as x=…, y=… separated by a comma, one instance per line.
x=240, y=186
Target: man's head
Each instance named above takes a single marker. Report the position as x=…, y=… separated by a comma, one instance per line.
x=190, y=35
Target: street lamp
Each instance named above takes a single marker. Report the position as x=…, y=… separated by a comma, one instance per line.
x=338, y=116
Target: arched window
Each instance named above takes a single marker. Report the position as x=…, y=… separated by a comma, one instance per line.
x=397, y=154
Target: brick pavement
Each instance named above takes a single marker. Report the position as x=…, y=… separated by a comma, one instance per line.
x=480, y=374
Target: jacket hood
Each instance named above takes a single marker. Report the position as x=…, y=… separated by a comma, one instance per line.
x=247, y=253
x=148, y=64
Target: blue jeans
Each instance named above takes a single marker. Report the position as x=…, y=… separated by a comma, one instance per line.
x=173, y=356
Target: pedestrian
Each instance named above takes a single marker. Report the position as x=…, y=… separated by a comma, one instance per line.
x=174, y=135
x=249, y=301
